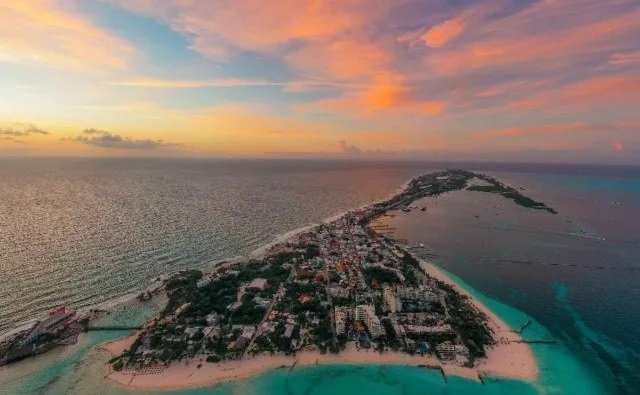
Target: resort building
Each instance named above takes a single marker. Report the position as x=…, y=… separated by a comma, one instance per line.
x=449, y=351
x=341, y=316
x=391, y=301
x=366, y=314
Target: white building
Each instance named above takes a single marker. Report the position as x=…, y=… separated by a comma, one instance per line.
x=341, y=315
x=422, y=329
x=366, y=313
x=450, y=351
x=392, y=302
x=423, y=294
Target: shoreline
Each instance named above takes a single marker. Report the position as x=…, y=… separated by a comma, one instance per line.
x=507, y=358
x=186, y=374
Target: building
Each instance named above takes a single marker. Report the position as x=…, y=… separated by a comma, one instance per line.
x=305, y=298
x=423, y=330
x=212, y=319
x=391, y=301
x=341, y=315
x=422, y=294
x=449, y=351
x=367, y=314
x=338, y=292
x=288, y=330
x=257, y=285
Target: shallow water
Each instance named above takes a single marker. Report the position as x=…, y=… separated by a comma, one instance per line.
x=85, y=231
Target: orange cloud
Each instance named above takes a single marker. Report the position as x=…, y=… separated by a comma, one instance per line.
x=557, y=129
x=42, y=31
x=609, y=89
x=441, y=34
x=625, y=59
x=386, y=93
x=614, y=87
x=509, y=41
x=218, y=26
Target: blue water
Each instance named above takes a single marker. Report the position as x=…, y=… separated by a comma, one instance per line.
x=82, y=231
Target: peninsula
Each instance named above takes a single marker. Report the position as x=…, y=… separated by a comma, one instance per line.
x=339, y=292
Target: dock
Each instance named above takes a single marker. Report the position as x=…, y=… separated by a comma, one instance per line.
x=439, y=369
x=523, y=326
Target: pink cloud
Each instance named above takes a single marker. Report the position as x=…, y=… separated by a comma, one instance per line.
x=441, y=34
x=45, y=32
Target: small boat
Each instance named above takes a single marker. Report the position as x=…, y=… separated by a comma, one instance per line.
x=423, y=209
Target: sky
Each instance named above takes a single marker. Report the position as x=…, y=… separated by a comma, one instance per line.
x=546, y=80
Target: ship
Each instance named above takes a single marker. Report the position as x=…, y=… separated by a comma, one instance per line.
x=39, y=335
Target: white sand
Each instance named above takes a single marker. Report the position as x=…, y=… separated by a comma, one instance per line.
x=505, y=359
x=508, y=359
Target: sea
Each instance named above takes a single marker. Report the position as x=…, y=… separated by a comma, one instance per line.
x=93, y=232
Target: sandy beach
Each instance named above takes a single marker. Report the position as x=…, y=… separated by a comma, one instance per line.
x=506, y=359
x=187, y=374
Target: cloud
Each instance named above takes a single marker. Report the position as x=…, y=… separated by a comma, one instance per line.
x=54, y=33
x=105, y=139
x=618, y=89
x=441, y=34
x=543, y=36
x=24, y=130
x=625, y=58
x=294, y=85
x=347, y=148
x=11, y=139
x=328, y=43
x=557, y=129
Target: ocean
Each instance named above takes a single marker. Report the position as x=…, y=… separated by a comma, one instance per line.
x=84, y=232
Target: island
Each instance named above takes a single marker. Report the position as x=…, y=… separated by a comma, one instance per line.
x=492, y=185
x=338, y=292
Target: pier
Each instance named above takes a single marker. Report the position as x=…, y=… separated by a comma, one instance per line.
x=438, y=368
x=523, y=326
x=536, y=341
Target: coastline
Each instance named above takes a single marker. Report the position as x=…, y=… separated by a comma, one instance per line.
x=508, y=358
x=504, y=360
x=259, y=252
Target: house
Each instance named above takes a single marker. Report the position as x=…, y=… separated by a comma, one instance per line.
x=212, y=319
x=288, y=330
x=305, y=298
x=257, y=285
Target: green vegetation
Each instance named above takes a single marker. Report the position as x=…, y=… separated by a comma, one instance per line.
x=118, y=365
x=510, y=193
x=380, y=275
x=468, y=322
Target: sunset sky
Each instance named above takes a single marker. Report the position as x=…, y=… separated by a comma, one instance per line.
x=550, y=80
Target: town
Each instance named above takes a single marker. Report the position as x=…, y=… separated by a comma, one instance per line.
x=341, y=284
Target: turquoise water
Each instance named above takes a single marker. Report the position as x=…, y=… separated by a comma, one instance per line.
x=123, y=213
x=55, y=377
x=81, y=371
x=561, y=372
